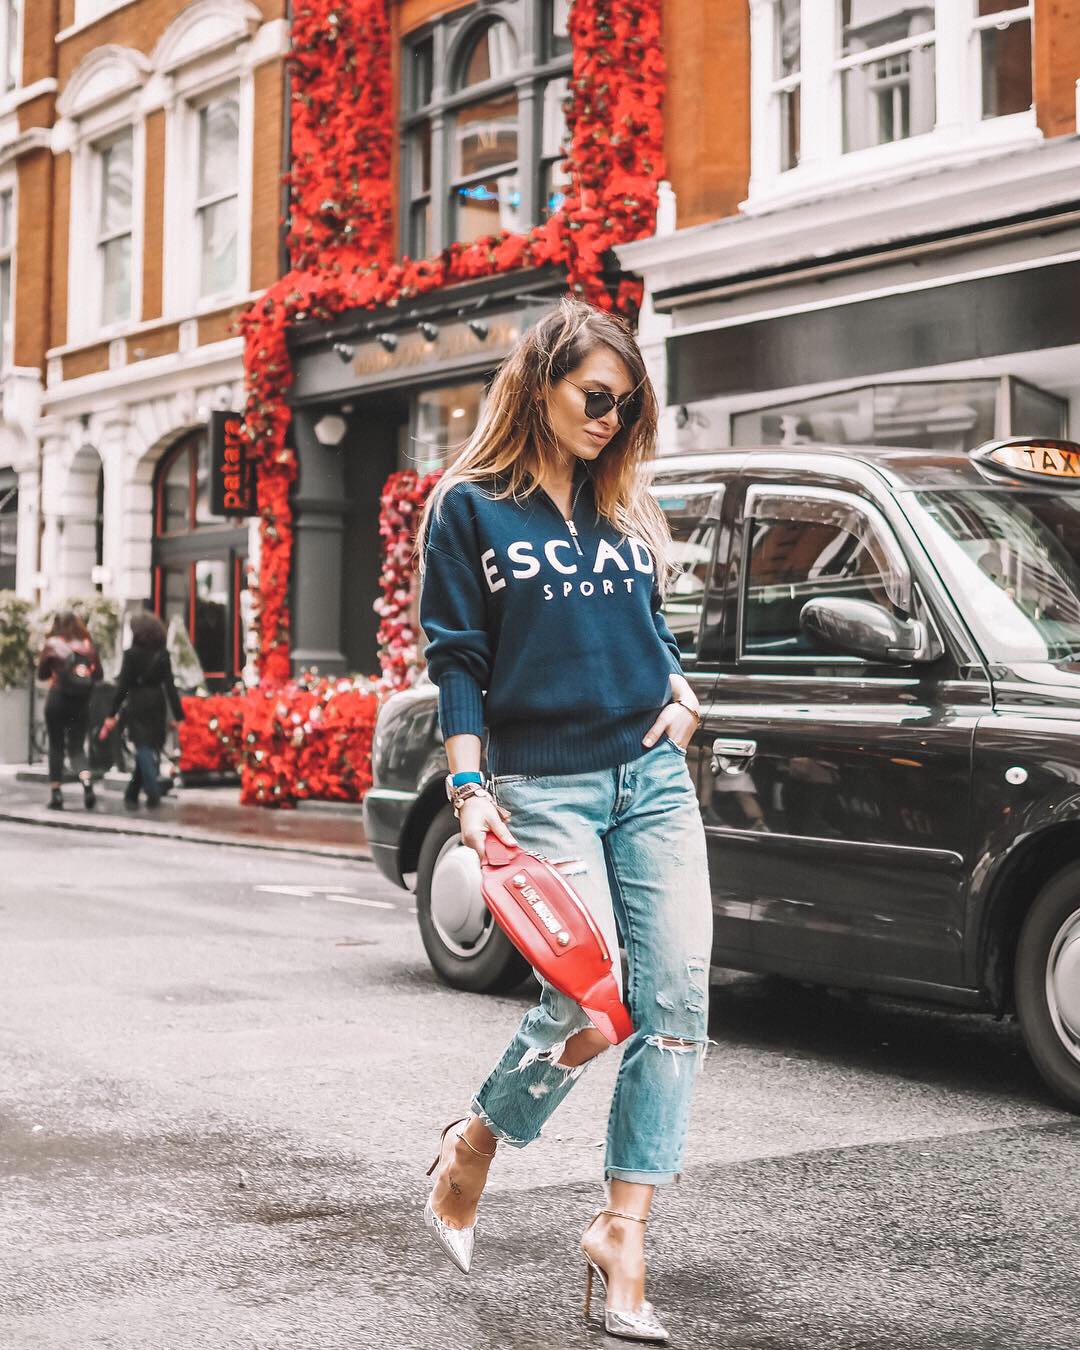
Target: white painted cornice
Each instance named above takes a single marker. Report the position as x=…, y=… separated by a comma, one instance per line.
x=157, y=377
x=36, y=138
x=26, y=94
x=855, y=219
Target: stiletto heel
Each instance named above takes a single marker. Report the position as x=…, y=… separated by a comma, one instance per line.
x=456, y=1243
x=629, y=1324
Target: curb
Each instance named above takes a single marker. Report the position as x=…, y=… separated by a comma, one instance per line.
x=215, y=840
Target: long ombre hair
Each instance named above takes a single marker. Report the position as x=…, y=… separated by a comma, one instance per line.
x=514, y=445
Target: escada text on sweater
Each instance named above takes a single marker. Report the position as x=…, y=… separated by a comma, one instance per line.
x=548, y=631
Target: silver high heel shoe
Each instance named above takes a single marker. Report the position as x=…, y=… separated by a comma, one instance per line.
x=631, y=1324
x=457, y=1243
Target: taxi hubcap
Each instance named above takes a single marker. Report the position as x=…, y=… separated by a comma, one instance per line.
x=458, y=912
x=1063, y=984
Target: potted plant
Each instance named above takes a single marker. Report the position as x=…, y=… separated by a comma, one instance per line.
x=15, y=671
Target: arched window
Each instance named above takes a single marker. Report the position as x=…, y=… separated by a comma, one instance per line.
x=485, y=125
x=484, y=180
x=199, y=561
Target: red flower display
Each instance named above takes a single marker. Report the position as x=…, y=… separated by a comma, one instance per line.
x=340, y=228
x=308, y=739
x=211, y=735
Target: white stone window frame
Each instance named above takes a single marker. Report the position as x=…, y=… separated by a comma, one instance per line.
x=960, y=131
x=211, y=55
x=101, y=101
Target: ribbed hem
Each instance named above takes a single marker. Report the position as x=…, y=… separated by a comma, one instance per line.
x=578, y=744
x=461, y=705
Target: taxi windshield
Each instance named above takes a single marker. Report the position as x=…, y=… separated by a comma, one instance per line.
x=1011, y=558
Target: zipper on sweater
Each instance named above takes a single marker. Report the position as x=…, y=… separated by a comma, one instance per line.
x=568, y=520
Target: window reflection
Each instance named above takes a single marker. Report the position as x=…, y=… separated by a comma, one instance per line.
x=444, y=420
x=943, y=415
x=210, y=627
x=887, y=76
x=493, y=56
x=1015, y=557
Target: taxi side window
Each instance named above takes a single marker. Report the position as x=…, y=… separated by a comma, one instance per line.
x=693, y=542
x=800, y=549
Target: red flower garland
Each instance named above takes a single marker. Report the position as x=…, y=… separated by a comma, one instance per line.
x=402, y=500
x=340, y=222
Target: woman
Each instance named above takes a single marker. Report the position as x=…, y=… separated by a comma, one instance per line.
x=144, y=683
x=70, y=662
x=544, y=567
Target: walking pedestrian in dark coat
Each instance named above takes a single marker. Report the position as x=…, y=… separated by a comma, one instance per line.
x=70, y=662
x=143, y=686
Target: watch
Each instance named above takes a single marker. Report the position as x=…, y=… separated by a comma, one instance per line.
x=458, y=796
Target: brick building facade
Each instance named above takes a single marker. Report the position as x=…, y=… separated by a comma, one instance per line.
x=142, y=148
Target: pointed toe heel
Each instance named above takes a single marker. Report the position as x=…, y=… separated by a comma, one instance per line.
x=628, y=1324
x=455, y=1243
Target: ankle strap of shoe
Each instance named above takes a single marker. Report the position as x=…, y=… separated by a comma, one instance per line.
x=478, y=1151
x=620, y=1214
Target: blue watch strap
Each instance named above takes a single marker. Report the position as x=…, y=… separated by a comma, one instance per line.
x=468, y=776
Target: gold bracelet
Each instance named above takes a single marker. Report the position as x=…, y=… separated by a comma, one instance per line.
x=690, y=709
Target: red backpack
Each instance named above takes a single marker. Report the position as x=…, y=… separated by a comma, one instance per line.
x=549, y=924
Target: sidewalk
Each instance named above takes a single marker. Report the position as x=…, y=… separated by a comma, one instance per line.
x=206, y=815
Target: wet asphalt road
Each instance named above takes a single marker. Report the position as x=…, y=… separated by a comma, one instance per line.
x=217, y=1103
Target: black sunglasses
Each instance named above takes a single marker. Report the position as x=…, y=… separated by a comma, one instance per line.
x=598, y=403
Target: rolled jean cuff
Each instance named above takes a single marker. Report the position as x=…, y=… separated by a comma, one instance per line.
x=499, y=1133
x=641, y=1178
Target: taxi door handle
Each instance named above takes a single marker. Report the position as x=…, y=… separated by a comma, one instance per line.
x=730, y=756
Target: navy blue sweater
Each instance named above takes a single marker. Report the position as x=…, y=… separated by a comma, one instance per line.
x=555, y=642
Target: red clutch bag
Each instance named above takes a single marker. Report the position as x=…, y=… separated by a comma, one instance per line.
x=550, y=925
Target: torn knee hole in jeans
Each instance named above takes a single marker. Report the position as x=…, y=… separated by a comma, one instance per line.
x=553, y=1057
x=677, y=1047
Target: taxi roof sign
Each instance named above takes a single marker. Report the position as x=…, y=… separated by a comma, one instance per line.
x=1033, y=457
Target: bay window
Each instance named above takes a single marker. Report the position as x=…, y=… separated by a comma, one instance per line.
x=787, y=63
x=846, y=86
x=886, y=65
x=1004, y=35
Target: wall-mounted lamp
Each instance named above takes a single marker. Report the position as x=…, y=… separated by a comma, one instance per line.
x=428, y=331
x=345, y=350
x=330, y=429
x=479, y=329
x=387, y=341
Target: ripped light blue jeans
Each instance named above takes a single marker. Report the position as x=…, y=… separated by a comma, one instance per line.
x=633, y=846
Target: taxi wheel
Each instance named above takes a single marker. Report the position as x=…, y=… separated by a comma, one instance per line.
x=465, y=946
x=1047, y=984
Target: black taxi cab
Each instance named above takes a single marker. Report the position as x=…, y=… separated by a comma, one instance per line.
x=886, y=647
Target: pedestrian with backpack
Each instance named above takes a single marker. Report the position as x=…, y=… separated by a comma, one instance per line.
x=143, y=686
x=70, y=662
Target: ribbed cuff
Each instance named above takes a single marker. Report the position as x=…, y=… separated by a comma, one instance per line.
x=461, y=705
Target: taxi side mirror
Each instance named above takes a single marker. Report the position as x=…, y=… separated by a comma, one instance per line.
x=860, y=628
